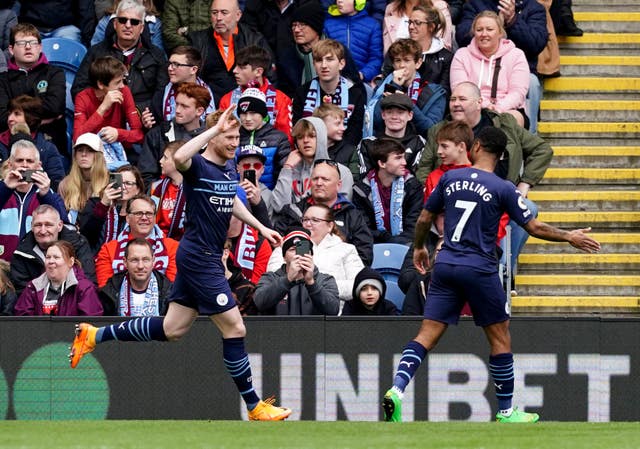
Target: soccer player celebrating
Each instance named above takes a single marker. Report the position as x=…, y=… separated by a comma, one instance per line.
x=200, y=285
x=466, y=269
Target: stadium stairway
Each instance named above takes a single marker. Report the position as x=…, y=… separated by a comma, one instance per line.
x=591, y=117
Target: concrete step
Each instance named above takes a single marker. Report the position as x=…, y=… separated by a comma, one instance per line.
x=590, y=140
x=577, y=284
x=628, y=219
x=612, y=22
x=591, y=84
x=604, y=6
x=611, y=242
x=595, y=157
x=615, y=263
x=600, y=41
x=581, y=130
x=590, y=111
x=581, y=305
x=589, y=200
x=591, y=176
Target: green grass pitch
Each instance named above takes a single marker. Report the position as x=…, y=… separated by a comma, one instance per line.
x=308, y=434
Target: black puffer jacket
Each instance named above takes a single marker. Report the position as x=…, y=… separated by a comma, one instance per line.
x=109, y=294
x=147, y=71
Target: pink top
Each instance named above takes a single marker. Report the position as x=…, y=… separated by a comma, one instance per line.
x=469, y=64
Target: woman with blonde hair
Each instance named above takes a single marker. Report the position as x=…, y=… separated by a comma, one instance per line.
x=87, y=177
x=494, y=64
x=7, y=292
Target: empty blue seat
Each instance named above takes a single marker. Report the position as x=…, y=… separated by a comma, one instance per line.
x=394, y=294
x=388, y=258
x=65, y=53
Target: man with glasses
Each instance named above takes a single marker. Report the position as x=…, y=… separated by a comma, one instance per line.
x=141, y=223
x=139, y=290
x=184, y=66
x=29, y=73
x=146, y=64
x=219, y=43
x=47, y=227
x=21, y=192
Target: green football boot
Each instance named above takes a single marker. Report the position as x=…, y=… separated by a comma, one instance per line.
x=392, y=406
x=517, y=417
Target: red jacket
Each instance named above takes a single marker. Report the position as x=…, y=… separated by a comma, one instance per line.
x=87, y=119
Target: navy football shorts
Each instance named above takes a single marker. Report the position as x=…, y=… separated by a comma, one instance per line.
x=204, y=289
x=452, y=285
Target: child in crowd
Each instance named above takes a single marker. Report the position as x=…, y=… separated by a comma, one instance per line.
x=333, y=118
x=369, y=289
x=350, y=24
x=168, y=195
x=429, y=100
x=331, y=87
x=252, y=66
x=256, y=130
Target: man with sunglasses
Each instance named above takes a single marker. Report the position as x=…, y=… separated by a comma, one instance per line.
x=141, y=223
x=146, y=64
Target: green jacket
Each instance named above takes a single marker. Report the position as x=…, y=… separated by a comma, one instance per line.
x=529, y=154
x=183, y=13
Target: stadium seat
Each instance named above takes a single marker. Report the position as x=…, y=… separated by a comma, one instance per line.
x=394, y=294
x=388, y=258
x=65, y=53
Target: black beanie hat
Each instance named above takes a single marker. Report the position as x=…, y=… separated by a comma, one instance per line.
x=253, y=100
x=312, y=13
x=295, y=234
x=369, y=276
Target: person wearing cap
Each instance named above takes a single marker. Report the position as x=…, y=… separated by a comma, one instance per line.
x=350, y=24
x=46, y=227
x=19, y=197
x=256, y=130
x=252, y=65
x=250, y=157
x=192, y=100
x=298, y=287
x=87, y=177
x=330, y=86
x=389, y=196
x=369, y=289
x=24, y=122
x=397, y=112
x=429, y=100
x=219, y=43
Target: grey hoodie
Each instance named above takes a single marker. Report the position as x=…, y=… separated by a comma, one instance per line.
x=290, y=186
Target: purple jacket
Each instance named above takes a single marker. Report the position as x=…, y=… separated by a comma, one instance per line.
x=79, y=298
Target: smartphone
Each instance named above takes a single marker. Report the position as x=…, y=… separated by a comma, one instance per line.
x=115, y=180
x=250, y=175
x=303, y=247
x=388, y=88
x=27, y=174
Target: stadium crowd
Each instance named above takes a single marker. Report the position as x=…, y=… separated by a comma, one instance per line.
x=349, y=113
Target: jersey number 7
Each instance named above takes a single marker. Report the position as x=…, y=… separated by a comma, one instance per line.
x=467, y=207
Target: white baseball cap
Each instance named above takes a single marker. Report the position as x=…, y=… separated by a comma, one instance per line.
x=91, y=140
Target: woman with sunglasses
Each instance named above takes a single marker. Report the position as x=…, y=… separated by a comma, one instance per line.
x=331, y=254
x=103, y=217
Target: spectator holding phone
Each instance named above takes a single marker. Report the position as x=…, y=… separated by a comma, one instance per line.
x=104, y=216
x=25, y=186
x=251, y=163
x=298, y=287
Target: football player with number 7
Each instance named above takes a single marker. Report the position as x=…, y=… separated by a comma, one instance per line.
x=466, y=268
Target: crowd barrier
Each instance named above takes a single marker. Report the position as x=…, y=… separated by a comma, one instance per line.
x=324, y=368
